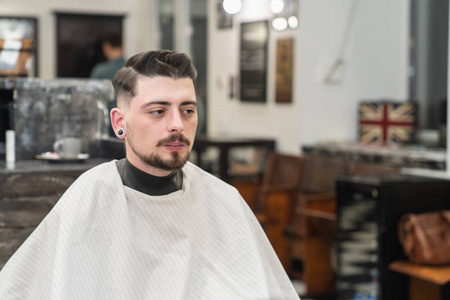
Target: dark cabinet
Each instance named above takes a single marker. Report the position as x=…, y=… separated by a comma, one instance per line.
x=225, y=144
x=368, y=211
x=28, y=192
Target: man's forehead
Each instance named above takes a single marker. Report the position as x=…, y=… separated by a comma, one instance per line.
x=151, y=91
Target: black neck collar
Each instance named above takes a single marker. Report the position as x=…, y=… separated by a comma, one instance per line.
x=146, y=183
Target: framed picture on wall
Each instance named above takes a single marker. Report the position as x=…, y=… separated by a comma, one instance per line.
x=18, y=47
x=224, y=19
x=78, y=39
x=284, y=60
x=253, y=61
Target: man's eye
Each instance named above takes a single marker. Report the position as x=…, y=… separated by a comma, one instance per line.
x=189, y=111
x=157, y=112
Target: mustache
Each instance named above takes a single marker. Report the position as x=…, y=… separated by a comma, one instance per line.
x=174, y=138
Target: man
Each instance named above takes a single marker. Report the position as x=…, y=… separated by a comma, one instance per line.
x=113, y=50
x=153, y=225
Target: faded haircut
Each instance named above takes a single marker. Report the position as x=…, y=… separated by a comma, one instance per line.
x=166, y=63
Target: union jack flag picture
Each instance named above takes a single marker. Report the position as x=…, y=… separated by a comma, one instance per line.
x=387, y=122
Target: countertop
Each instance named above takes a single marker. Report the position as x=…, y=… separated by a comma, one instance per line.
x=43, y=166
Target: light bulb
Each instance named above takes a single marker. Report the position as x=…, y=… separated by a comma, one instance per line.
x=279, y=24
x=276, y=6
x=293, y=22
x=232, y=6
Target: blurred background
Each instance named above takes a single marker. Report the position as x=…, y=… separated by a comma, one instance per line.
x=297, y=100
x=343, y=52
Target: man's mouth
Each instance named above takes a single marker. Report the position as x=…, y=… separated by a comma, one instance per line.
x=174, y=141
x=175, y=144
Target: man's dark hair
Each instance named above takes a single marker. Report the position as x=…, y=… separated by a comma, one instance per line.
x=112, y=38
x=166, y=63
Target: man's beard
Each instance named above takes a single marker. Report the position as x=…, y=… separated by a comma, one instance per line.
x=175, y=163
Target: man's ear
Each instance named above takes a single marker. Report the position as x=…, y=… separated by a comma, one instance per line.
x=117, y=120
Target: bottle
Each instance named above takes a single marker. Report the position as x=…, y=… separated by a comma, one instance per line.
x=10, y=146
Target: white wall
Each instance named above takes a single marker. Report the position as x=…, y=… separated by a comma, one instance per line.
x=376, y=62
x=376, y=59
x=136, y=28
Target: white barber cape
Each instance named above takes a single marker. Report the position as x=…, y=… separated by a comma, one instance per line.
x=103, y=240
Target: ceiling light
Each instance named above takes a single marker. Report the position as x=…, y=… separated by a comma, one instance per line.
x=279, y=24
x=232, y=6
x=293, y=22
x=277, y=6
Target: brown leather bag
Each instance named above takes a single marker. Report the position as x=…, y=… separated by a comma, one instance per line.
x=425, y=237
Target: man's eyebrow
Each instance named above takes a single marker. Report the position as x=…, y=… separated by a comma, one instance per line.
x=167, y=103
x=189, y=103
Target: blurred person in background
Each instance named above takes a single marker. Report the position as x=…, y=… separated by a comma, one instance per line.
x=113, y=51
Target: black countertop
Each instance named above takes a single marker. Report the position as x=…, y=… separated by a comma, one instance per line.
x=43, y=166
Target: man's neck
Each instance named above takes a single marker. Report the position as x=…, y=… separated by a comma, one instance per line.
x=146, y=183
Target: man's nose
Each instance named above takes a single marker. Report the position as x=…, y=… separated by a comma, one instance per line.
x=175, y=122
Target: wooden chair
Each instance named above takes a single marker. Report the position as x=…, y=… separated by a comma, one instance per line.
x=312, y=229
x=274, y=206
x=313, y=225
x=247, y=176
x=320, y=174
x=312, y=238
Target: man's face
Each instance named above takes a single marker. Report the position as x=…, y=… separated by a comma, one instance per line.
x=160, y=124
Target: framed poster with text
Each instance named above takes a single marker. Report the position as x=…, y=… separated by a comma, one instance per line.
x=253, y=61
x=283, y=93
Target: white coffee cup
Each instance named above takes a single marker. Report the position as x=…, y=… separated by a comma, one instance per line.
x=68, y=147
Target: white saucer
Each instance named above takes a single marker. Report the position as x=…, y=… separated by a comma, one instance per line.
x=53, y=156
